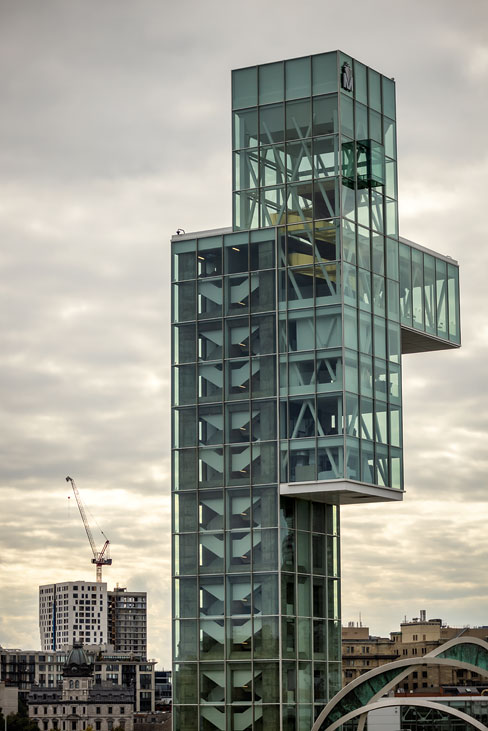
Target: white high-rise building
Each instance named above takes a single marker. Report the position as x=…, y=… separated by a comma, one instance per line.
x=72, y=611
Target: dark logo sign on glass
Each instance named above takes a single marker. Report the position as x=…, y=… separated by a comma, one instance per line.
x=347, y=81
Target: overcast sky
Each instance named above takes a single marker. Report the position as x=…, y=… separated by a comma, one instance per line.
x=114, y=132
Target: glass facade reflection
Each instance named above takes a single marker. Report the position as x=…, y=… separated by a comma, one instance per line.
x=288, y=331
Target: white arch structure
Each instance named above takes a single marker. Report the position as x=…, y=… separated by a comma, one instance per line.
x=419, y=702
x=404, y=667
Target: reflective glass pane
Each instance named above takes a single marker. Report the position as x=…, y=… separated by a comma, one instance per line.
x=211, y=510
x=244, y=87
x=271, y=83
x=324, y=73
x=211, y=596
x=298, y=77
x=245, y=128
x=298, y=119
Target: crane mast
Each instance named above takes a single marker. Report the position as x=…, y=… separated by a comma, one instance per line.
x=99, y=557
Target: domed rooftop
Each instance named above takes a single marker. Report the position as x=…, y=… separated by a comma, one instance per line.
x=78, y=663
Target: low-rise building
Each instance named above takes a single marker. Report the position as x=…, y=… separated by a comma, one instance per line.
x=79, y=702
x=25, y=669
x=362, y=652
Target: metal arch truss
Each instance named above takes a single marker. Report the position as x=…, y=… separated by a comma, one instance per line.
x=404, y=667
x=415, y=702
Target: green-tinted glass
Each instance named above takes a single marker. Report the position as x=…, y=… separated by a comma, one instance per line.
x=324, y=73
x=244, y=88
x=271, y=83
x=298, y=78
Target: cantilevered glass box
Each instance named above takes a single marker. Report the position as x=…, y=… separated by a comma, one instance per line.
x=288, y=334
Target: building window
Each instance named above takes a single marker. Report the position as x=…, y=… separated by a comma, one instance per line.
x=110, y=709
x=98, y=710
x=98, y=725
x=122, y=710
x=415, y=638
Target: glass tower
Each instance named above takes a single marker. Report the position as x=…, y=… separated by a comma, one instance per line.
x=288, y=334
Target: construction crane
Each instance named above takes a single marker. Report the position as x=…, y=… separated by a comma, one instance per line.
x=100, y=558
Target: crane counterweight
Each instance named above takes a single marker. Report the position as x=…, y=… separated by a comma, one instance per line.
x=100, y=558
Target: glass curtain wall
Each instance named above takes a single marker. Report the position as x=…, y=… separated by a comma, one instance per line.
x=256, y=579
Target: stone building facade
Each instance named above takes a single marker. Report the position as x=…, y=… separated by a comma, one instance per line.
x=78, y=703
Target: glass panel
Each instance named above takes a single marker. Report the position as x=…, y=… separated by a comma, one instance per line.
x=326, y=156
x=265, y=549
x=441, y=291
x=417, y=289
x=367, y=420
x=263, y=372
x=263, y=291
x=184, y=260
x=210, y=467
x=237, y=422
x=298, y=119
x=271, y=83
x=298, y=77
x=264, y=501
x=185, y=639
x=211, y=510
x=238, y=509
x=360, y=82
x=262, y=249
x=245, y=128
x=453, y=289
x=211, y=553
x=374, y=88
x=302, y=460
x=244, y=87
x=328, y=329
x=184, y=384
x=405, y=285
x=185, y=514
x=325, y=119
x=394, y=342
x=329, y=371
x=239, y=601
x=238, y=379
x=388, y=97
x=271, y=124
x=212, y=684
x=185, y=691
x=301, y=330
x=265, y=591
x=350, y=328
x=210, y=380
x=185, y=427
x=264, y=462
x=246, y=209
x=185, y=301
x=210, y=298
x=381, y=384
x=238, y=461
x=393, y=300
x=349, y=242
x=185, y=598
x=330, y=458
x=272, y=206
x=272, y=165
x=245, y=169
x=185, y=469
x=239, y=639
x=364, y=289
x=210, y=425
x=347, y=123
x=353, y=463
x=367, y=461
x=351, y=371
x=429, y=294
x=380, y=337
x=324, y=73
x=390, y=137
x=266, y=636
x=352, y=414
x=381, y=463
x=361, y=122
x=237, y=337
x=299, y=161
x=365, y=333
x=185, y=553
x=211, y=596
x=392, y=268
x=266, y=683
x=184, y=343
x=236, y=251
